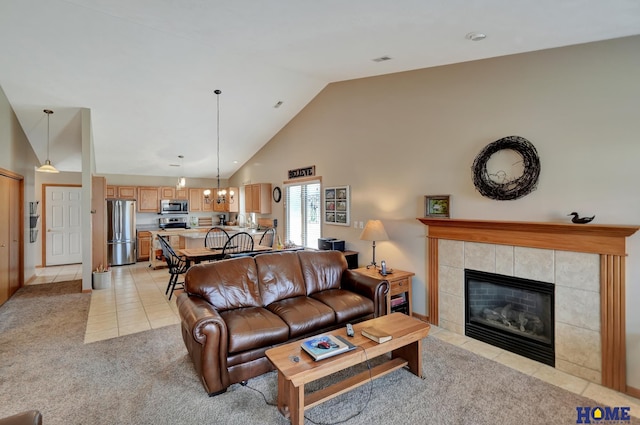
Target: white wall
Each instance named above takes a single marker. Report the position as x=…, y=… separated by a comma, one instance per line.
x=398, y=137
x=16, y=155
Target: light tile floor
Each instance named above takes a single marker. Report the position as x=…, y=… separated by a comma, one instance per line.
x=137, y=302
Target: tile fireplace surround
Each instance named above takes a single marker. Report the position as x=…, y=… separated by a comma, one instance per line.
x=585, y=262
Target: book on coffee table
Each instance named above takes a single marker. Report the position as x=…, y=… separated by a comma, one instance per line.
x=376, y=334
x=323, y=346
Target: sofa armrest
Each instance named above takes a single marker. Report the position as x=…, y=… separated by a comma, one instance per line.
x=204, y=333
x=370, y=287
x=30, y=417
x=196, y=314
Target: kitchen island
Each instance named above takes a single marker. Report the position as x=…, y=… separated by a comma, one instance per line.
x=190, y=238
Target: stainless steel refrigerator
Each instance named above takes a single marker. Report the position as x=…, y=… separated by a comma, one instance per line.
x=121, y=231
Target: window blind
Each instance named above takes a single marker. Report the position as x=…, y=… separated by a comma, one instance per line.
x=303, y=225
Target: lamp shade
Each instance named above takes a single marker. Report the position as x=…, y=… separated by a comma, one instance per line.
x=374, y=231
x=47, y=168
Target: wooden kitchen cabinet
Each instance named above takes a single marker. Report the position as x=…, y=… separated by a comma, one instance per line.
x=207, y=204
x=167, y=192
x=123, y=192
x=258, y=198
x=126, y=192
x=148, y=199
x=182, y=194
x=144, y=245
x=171, y=193
x=196, y=199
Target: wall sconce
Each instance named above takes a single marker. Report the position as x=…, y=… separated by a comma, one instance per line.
x=207, y=196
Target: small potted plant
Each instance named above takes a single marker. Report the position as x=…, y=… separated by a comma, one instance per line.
x=102, y=277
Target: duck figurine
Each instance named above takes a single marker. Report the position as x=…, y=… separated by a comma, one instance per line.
x=580, y=220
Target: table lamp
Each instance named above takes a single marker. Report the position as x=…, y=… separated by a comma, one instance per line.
x=374, y=231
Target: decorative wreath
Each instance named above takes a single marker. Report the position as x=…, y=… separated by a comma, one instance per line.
x=513, y=188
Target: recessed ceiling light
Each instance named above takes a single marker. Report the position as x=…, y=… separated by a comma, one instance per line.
x=382, y=59
x=475, y=36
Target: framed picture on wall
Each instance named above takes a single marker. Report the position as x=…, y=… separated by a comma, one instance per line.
x=437, y=206
x=336, y=205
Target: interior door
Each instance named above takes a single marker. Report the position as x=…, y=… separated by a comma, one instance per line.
x=4, y=239
x=10, y=236
x=63, y=224
x=15, y=233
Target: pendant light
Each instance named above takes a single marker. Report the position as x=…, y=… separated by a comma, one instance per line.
x=220, y=194
x=182, y=181
x=47, y=167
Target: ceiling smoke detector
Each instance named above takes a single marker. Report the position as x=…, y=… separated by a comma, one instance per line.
x=475, y=36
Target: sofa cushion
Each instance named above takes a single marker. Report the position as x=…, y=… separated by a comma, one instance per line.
x=253, y=327
x=347, y=305
x=322, y=270
x=279, y=276
x=303, y=314
x=226, y=284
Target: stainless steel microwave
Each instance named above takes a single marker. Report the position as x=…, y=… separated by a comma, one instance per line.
x=171, y=206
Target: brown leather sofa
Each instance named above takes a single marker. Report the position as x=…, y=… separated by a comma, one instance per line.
x=30, y=417
x=234, y=310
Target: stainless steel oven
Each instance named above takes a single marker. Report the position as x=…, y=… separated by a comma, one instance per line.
x=174, y=206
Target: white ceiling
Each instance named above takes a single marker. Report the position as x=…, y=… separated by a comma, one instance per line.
x=147, y=69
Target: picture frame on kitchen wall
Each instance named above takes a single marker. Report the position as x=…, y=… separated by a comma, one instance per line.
x=337, y=205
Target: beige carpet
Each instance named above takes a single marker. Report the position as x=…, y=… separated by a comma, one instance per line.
x=147, y=378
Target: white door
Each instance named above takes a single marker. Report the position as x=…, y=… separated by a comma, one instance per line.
x=63, y=225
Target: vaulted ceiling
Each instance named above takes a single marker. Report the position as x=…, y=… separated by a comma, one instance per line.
x=147, y=69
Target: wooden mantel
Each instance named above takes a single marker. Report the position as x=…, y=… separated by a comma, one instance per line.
x=609, y=241
x=590, y=238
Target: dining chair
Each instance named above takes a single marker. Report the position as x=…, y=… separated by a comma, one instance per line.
x=216, y=238
x=240, y=242
x=177, y=265
x=267, y=237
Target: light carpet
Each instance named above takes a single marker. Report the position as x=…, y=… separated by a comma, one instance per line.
x=147, y=378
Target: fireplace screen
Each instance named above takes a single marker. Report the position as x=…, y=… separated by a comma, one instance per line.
x=511, y=313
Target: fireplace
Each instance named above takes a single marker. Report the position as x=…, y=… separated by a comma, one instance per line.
x=585, y=263
x=511, y=313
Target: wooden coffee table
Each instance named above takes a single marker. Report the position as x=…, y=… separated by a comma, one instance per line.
x=405, y=348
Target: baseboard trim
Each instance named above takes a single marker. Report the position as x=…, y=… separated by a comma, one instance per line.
x=633, y=392
x=421, y=317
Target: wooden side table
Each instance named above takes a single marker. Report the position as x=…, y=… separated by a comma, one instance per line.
x=352, y=259
x=400, y=286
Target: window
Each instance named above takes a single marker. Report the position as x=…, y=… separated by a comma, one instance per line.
x=303, y=213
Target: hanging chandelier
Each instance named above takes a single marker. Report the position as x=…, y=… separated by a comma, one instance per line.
x=220, y=193
x=47, y=167
x=182, y=182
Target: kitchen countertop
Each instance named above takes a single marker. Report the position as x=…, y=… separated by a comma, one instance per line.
x=197, y=231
